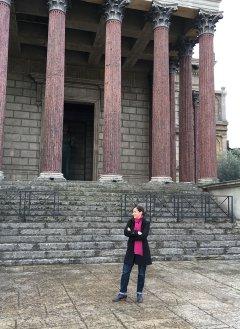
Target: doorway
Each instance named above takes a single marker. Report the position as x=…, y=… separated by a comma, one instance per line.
x=78, y=141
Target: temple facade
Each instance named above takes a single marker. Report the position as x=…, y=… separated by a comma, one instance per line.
x=93, y=90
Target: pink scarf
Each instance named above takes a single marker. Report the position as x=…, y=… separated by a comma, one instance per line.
x=138, y=245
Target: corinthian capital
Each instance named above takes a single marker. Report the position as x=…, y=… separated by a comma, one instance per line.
x=186, y=47
x=7, y=2
x=195, y=98
x=58, y=5
x=161, y=14
x=173, y=66
x=113, y=9
x=206, y=21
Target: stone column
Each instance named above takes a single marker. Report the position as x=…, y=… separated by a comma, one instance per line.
x=161, y=99
x=4, y=42
x=207, y=122
x=112, y=91
x=51, y=155
x=186, y=115
x=173, y=69
x=195, y=96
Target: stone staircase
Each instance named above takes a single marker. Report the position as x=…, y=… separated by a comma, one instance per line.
x=89, y=227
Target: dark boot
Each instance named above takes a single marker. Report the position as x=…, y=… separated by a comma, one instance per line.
x=139, y=297
x=119, y=297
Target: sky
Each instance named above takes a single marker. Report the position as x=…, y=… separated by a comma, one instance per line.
x=227, y=67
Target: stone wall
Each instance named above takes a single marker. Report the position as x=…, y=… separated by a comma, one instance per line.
x=22, y=129
x=135, y=131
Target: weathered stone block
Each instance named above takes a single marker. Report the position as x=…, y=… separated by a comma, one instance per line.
x=21, y=114
x=22, y=100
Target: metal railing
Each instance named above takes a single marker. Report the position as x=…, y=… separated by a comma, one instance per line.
x=179, y=206
x=28, y=204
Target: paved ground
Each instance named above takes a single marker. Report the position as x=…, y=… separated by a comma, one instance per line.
x=185, y=295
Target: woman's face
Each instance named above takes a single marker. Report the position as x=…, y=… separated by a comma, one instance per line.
x=136, y=213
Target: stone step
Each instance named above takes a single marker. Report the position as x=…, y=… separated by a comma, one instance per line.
x=95, y=256
x=90, y=228
x=75, y=260
x=87, y=222
x=156, y=246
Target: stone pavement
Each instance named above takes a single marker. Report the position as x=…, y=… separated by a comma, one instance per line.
x=204, y=294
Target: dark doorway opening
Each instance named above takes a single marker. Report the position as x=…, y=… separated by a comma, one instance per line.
x=78, y=136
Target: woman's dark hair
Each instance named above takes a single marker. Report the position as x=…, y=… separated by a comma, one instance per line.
x=140, y=208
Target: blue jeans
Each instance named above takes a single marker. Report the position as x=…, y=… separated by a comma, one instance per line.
x=127, y=268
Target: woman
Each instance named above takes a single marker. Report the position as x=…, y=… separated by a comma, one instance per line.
x=138, y=252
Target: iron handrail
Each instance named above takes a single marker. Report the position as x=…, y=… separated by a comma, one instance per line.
x=28, y=202
x=183, y=205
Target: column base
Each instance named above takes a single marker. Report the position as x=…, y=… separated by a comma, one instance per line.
x=161, y=179
x=207, y=181
x=1, y=176
x=111, y=178
x=52, y=176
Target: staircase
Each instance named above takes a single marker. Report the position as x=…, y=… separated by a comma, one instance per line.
x=88, y=225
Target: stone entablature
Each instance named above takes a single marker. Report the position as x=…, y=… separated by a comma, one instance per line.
x=211, y=5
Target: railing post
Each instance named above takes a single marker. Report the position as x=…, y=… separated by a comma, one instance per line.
x=232, y=217
x=205, y=208
x=150, y=205
x=178, y=208
x=54, y=204
x=20, y=204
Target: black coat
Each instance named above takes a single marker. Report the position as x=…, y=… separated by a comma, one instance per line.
x=130, y=258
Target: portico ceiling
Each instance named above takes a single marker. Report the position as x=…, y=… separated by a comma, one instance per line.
x=85, y=32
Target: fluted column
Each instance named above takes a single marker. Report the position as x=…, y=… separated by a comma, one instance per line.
x=173, y=69
x=112, y=91
x=161, y=96
x=207, y=122
x=4, y=43
x=51, y=155
x=186, y=115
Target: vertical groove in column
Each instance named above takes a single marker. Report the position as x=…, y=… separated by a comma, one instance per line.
x=112, y=99
x=207, y=121
x=161, y=105
x=186, y=122
x=172, y=127
x=54, y=95
x=4, y=42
